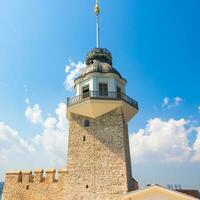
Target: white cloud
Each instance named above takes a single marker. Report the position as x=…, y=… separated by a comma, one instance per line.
x=165, y=141
x=61, y=114
x=27, y=101
x=196, y=147
x=11, y=141
x=73, y=70
x=53, y=142
x=45, y=149
x=198, y=109
x=50, y=123
x=167, y=103
x=161, y=141
x=177, y=101
x=54, y=136
x=34, y=114
x=13, y=149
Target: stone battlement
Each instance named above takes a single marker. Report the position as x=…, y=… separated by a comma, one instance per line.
x=39, y=175
x=35, y=185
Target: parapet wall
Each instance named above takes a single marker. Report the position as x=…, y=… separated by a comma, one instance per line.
x=47, y=176
x=26, y=185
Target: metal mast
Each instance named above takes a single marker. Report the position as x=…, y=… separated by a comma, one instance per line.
x=97, y=12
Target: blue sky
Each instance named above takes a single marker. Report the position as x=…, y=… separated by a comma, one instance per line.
x=155, y=45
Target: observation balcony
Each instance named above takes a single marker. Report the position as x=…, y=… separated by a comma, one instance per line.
x=94, y=104
x=102, y=95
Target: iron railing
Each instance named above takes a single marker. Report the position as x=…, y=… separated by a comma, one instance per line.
x=100, y=50
x=102, y=95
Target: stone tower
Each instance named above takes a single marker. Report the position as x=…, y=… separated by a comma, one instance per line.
x=99, y=163
x=98, y=150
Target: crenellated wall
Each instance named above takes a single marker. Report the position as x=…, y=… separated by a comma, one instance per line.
x=25, y=185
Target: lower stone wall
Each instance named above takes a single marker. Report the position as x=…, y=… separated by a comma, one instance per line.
x=26, y=186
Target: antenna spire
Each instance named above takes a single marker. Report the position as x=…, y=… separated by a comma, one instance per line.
x=97, y=12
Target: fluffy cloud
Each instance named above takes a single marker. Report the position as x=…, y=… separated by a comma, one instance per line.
x=165, y=141
x=73, y=70
x=44, y=149
x=34, y=114
x=50, y=123
x=13, y=149
x=27, y=101
x=54, y=136
x=10, y=141
x=161, y=141
x=167, y=103
x=61, y=115
x=177, y=101
x=196, y=147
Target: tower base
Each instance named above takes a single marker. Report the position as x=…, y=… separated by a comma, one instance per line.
x=99, y=165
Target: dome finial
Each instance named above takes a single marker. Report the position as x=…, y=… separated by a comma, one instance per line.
x=97, y=9
x=97, y=12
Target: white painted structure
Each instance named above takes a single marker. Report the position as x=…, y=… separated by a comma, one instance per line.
x=100, y=88
x=94, y=79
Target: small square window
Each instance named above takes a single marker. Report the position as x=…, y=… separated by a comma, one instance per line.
x=86, y=123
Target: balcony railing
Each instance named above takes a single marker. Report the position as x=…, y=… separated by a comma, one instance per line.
x=100, y=50
x=102, y=95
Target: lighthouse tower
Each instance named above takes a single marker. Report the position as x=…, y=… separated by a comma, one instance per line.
x=99, y=163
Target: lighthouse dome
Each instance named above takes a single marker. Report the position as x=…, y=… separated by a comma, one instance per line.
x=99, y=60
x=98, y=66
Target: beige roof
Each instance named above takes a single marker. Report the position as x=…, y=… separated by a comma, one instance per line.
x=156, y=192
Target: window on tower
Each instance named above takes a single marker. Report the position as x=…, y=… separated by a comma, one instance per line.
x=86, y=123
x=103, y=89
x=119, y=92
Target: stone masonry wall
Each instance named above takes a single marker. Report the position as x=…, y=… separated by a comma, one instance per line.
x=98, y=157
x=26, y=186
x=99, y=165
